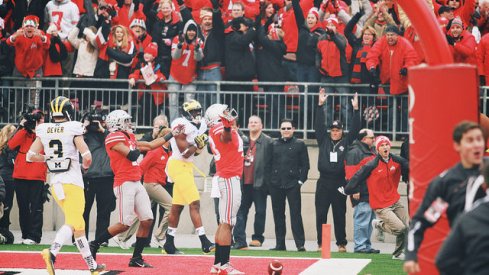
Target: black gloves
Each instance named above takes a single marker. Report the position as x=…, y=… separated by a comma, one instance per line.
x=403, y=72
x=45, y=193
x=180, y=41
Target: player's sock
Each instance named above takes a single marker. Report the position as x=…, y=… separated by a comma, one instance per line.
x=225, y=251
x=200, y=231
x=106, y=236
x=217, y=255
x=84, y=249
x=63, y=235
x=138, y=249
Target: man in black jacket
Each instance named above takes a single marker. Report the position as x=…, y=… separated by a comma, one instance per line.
x=257, y=166
x=332, y=150
x=290, y=165
x=359, y=154
x=99, y=179
x=446, y=193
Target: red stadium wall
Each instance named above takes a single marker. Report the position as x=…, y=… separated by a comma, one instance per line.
x=441, y=95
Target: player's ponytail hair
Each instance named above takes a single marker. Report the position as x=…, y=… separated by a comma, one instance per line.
x=5, y=134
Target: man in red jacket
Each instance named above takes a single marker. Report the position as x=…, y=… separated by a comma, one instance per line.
x=391, y=56
x=382, y=175
x=29, y=180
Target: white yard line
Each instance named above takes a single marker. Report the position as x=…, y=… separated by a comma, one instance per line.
x=336, y=266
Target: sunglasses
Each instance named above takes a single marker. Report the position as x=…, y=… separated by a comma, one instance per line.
x=286, y=128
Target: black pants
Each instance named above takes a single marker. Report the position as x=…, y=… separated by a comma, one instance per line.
x=101, y=190
x=7, y=204
x=29, y=200
x=327, y=195
x=250, y=195
x=293, y=196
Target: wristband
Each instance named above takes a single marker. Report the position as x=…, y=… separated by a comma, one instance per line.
x=86, y=153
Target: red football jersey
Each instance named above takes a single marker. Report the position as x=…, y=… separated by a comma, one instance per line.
x=184, y=69
x=124, y=169
x=228, y=156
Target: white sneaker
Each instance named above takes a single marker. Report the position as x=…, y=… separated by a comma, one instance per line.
x=400, y=257
x=29, y=242
x=215, y=268
x=120, y=243
x=229, y=269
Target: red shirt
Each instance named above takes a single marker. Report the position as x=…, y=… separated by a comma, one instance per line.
x=228, y=156
x=154, y=164
x=124, y=169
x=23, y=169
x=184, y=69
x=249, y=167
x=384, y=179
x=29, y=53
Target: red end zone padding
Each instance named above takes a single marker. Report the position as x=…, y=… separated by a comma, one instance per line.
x=174, y=265
x=439, y=98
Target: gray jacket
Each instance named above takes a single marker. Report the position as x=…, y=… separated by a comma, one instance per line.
x=263, y=160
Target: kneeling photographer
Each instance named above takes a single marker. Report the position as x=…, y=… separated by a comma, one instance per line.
x=29, y=177
x=99, y=179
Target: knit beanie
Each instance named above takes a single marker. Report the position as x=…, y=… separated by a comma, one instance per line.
x=381, y=140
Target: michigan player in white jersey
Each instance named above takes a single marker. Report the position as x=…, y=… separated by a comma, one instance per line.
x=62, y=141
x=180, y=172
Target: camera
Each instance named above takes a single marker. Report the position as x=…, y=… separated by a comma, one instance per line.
x=32, y=117
x=94, y=118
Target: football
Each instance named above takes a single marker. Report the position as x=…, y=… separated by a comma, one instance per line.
x=275, y=268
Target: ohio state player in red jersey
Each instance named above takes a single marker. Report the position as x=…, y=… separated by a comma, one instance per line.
x=132, y=199
x=227, y=148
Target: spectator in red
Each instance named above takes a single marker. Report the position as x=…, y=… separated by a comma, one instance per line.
x=392, y=55
x=463, y=10
x=167, y=25
x=148, y=70
x=29, y=43
x=141, y=38
x=128, y=10
x=483, y=59
x=29, y=178
x=462, y=43
x=382, y=175
x=483, y=21
x=186, y=52
x=446, y=12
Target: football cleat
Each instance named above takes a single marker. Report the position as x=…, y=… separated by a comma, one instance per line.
x=208, y=247
x=49, y=259
x=228, y=269
x=215, y=268
x=169, y=248
x=139, y=262
x=99, y=268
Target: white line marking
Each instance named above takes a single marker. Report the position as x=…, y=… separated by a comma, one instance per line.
x=336, y=266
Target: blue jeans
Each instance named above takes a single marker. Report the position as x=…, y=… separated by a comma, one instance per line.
x=207, y=92
x=362, y=226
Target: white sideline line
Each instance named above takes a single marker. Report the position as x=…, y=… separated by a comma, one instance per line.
x=336, y=266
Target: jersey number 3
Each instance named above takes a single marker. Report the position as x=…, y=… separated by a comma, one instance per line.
x=59, y=147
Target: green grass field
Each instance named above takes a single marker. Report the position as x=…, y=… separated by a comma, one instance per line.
x=381, y=264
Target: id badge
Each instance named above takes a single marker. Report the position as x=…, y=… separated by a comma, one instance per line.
x=333, y=156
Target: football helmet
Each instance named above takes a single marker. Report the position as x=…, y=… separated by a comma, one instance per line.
x=192, y=111
x=62, y=107
x=119, y=120
x=215, y=112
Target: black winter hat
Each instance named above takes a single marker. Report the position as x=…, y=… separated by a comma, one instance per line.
x=392, y=28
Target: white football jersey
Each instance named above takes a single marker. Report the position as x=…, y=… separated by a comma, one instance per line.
x=58, y=142
x=191, y=131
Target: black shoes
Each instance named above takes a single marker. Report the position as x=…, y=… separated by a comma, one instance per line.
x=139, y=262
x=208, y=247
x=239, y=246
x=301, y=249
x=278, y=248
x=170, y=248
x=368, y=251
x=93, y=249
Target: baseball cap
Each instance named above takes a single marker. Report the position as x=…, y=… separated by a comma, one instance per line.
x=336, y=124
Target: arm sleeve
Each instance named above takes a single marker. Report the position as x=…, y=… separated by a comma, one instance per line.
x=17, y=140
x=360, y=176
x=419, y=223
x=350, y=36
x=320, y=125
x=299, y=16
x=305, y=162
x=355, y=126
x=450, y=257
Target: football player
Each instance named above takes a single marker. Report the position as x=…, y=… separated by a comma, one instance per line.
x=62, y=142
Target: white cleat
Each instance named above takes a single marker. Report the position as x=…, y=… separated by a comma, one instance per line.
x=228, y=269
x=215, y=268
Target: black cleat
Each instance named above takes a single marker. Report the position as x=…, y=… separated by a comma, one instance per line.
x=94, y=249
x=170, y=248
x=208, y=247
x=139, y=262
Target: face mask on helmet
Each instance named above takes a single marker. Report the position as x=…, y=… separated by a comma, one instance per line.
x=192, y=111
x=214, y=113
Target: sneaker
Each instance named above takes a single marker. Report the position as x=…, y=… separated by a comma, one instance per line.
x=341, y=248
x=139, y=262
x=120, y=243
x=208, y=247
x=49, y=259
x=99, y=268
x=255, y=243
x=399, y=257
x=301, y=249
x=29, y=242
x=158, y=242
x=228, y=269
x=93, y=249
x=215, y=268
x=170, y=248
x=376, y=224
x=278, y=248
x=239, y=246
x=104, y=244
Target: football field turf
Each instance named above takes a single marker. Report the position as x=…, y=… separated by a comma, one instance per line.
x=14, y=260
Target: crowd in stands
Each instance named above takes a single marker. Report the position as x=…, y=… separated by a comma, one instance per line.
x=147, y=41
